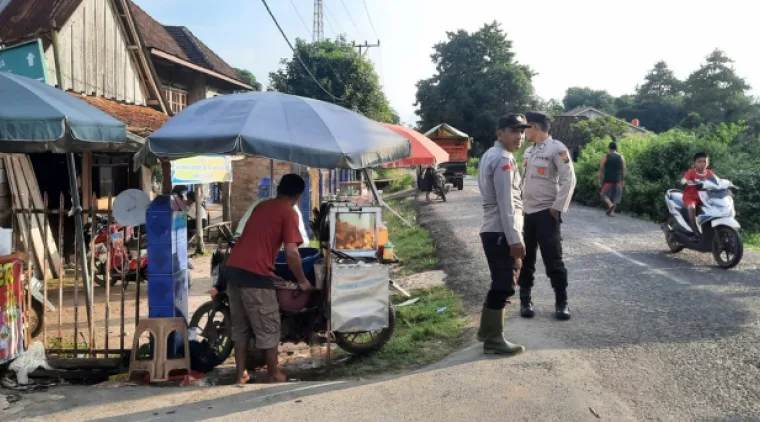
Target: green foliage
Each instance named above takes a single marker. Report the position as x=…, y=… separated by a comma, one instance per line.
x=587, y=97
x=399, y=184
x=716, y=92
x=477, y=80
x=341, y=70
x=656, y=163
x=249, y=77
x=472, y=166
x=602, y=127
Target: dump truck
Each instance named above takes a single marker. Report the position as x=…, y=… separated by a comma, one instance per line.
x=457, y=144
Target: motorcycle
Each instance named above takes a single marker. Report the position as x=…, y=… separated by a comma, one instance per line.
x=120, y=251
x=302, y=325
x=716, y=222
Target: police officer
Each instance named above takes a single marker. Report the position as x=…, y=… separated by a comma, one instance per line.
x=549, y=181
x=501, y=233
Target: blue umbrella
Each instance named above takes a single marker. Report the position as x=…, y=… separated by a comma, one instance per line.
x=278, y=126
x=36, y=117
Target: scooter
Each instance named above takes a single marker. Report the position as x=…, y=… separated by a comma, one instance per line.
x=119, y=252
x=716, y=222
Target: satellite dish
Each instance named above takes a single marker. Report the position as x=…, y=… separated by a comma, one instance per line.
x=130, y=206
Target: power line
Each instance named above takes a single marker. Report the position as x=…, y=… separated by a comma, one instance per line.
x=351, y=18
x=369, y=16
x=336, y=21
x=302, y=20
x=298, y=56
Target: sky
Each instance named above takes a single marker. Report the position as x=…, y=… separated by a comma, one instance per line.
x=592, y=43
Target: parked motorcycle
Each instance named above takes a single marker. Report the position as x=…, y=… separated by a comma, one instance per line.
x=121, y=239
x=297, y=326
x=718, y=228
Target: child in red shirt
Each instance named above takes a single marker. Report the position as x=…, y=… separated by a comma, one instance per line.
x=697, y=174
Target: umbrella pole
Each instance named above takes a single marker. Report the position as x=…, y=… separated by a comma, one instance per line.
x=271, y=179
x=368, y=175
x=76, y=207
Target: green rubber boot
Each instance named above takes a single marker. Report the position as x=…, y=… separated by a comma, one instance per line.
x=491, y=333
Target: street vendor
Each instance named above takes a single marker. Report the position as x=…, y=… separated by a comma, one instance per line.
x=249, y=271
x=244, y=220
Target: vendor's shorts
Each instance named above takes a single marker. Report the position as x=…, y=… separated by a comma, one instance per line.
x=614, y=191
x=255, y=313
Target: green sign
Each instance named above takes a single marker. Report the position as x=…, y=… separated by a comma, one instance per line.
x=25, y=59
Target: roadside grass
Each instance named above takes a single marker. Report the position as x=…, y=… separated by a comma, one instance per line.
x=752, y=240
x=425, y=332
x=413, y=245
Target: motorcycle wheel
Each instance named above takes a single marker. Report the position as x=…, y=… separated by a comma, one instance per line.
x=460, y=184
x=671, y=240
x=728, y=247
x=218, y=333
x=35, y=318
x=367, y=343
x=100, y=276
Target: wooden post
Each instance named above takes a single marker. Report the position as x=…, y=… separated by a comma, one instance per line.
x=166, y=178
x=226, y=201
x=200, y=247
x=86, y=180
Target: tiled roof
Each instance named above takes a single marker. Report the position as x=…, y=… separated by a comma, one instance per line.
x=179, y=42
x=139, y=119
x=23, y=19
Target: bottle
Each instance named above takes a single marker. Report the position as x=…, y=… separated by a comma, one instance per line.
x=388, y=252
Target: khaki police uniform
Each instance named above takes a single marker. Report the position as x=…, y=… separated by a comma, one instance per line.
x=499, y=183
x=548, y=183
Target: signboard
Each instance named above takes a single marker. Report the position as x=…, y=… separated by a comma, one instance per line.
x=11, y=322
x=25, y=59
x=201, y=170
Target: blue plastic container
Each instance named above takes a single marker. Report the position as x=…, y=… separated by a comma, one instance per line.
x=308, y=257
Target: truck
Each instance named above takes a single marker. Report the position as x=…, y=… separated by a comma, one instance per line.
x=457, y=144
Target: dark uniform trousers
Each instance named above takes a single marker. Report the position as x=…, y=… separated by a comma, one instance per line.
x=501, y=265
x=541, y=230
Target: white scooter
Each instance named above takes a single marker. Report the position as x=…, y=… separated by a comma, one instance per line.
x=718, y=228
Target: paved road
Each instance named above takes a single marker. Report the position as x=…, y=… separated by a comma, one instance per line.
x=653, y=337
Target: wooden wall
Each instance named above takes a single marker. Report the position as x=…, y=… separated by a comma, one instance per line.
x=94, y=55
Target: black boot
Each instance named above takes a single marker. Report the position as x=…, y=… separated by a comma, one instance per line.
x=526, y=306
x=562, y=311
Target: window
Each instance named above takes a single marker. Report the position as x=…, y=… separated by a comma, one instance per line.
x=177, y=99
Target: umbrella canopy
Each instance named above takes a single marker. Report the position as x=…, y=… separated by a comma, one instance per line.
x=279, y=126
x=36, y=117
x=424, y=151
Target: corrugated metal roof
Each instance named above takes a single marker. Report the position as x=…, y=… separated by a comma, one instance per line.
x=448, y=128
x=585, y=111
x=24, y=19
x=179, y=42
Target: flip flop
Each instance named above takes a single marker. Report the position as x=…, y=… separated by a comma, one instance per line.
x=609, y=210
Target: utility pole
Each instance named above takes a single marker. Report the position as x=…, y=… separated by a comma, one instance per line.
x=319, y=21
x=366, y=46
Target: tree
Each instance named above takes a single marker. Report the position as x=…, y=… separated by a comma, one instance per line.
x=716, y=92
x=550, y=106
x=657, y=115
x=660, y=82
x=599, y=128
x=250, y=78
x=586, y=97
x=349, y=78
x=477, y=80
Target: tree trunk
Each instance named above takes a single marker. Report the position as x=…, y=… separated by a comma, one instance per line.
x=200, y=247
x=227, y=201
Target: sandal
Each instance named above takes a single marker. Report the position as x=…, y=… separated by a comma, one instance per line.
x=610, y=210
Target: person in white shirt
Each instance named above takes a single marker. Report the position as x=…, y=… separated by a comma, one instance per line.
x=191, y=217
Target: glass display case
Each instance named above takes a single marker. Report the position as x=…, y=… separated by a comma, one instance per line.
x=354, y=229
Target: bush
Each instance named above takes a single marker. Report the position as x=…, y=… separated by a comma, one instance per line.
x=402, y=183
x=472, y=166
x=656, y=163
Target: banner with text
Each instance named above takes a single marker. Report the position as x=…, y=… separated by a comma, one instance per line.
x=201, y=169
x=11, y=321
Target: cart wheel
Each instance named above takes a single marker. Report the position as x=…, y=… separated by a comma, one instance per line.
x=368, y=342
x=216, y=328
x=35, y=318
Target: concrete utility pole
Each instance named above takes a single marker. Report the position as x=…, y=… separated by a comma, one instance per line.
x=365, y=46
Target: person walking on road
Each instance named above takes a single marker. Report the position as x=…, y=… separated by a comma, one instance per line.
x=548, y=187
x=612, y=178
x=501, y=233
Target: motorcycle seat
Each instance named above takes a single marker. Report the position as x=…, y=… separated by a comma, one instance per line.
x=676, y=196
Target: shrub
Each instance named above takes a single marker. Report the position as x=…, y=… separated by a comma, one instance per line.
x=472, y=166
x=656, y=163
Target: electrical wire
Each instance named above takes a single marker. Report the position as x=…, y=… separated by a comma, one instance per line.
x=369, y=16
x=298, y=56
x=311, y=33
x=333, y=16
x=343, y=2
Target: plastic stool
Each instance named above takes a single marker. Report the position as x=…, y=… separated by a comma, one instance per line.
x=160, y=365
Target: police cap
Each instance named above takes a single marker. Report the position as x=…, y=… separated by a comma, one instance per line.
x=513, y=121
x=538, y=117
